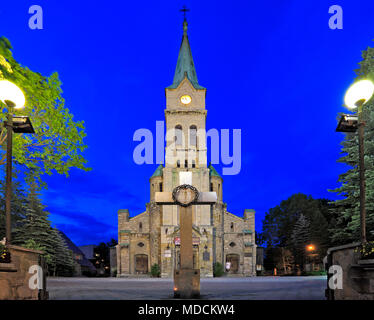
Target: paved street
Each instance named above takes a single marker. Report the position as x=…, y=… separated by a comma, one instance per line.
x=260, y=288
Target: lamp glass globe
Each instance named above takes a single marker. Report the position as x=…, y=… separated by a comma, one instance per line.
x=359, y=91
x=10, y=92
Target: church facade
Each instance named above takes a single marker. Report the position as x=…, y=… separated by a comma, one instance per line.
x=152, y=237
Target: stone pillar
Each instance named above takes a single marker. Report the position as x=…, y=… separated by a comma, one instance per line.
x=123, y=259
x=249, y=243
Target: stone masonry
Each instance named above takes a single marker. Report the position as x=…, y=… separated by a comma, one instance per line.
x=152, y=237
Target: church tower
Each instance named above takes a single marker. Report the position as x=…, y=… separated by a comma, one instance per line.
x=218, y=236
x=185, y=116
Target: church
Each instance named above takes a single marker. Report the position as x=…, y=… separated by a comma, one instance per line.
x=152, y=237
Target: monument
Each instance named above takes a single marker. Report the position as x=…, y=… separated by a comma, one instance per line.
x=186, y=279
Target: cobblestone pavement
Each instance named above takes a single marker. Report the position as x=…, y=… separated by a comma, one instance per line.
x=257, y=288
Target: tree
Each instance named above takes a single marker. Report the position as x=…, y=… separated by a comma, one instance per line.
x=279, y=226
x=63, y=263
x=299, y=239
x=347, y=210
x=58, y=140
x=33, y=230
x=102, y=259
x=259, y=238
x=18, y=203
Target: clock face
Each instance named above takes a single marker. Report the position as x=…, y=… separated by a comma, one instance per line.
x=186, y=99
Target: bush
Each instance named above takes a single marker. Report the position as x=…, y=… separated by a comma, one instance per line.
x=114, y=272
x=155, y=270
x=4, y=254
x=218, y=270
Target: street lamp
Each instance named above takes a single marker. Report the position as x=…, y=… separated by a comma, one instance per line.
x=14, y=98
x=310, y=247
x=356, y=96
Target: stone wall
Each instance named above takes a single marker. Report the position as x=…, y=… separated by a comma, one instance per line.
x=358, y=275
x=15, y=276
x=239, y=239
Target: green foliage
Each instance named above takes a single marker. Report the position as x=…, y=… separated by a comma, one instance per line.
x=114, y=272
x=32, y=229
x=4, y=254
x=155, y=270
x=31, y=244
x=218, y=270
x=279, y=221
x=347, y=210
x=278, y=230
x=366, y=250
x=299, y=239
x=57, y=144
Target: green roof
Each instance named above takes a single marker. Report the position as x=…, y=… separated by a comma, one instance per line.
x=247, y=231
x=213, y=172
x=158, y=172
x=185, y=66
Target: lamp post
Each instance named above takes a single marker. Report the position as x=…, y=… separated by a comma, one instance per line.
x=356, y=96
x=14, y=98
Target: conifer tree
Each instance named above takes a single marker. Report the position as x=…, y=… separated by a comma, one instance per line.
x=347, y=210
x=18, y=203
x=33, y=230
x=299, y=238
x=35, y=226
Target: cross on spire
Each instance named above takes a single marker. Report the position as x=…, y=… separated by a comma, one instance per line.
x=184, y=10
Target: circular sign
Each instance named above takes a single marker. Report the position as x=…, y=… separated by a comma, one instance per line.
x=185, y=195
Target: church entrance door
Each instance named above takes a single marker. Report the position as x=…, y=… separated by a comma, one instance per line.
x=234, y=260
x=141, y=263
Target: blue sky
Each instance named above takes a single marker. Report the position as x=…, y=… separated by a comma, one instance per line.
x=273, y=69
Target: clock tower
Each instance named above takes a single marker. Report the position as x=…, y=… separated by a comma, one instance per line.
x=185, y=116
x=153, y=236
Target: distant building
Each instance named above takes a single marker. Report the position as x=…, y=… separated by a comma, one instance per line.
x=89, y=251
x=82, y=265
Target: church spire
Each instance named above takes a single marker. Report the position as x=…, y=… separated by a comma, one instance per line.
x=185, y=66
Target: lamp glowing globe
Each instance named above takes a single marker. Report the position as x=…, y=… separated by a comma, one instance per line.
x=11, y=94
x=358, y=94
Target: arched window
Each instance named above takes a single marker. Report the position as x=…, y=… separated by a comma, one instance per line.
x=211, y=186
x=193, y=164
x=178, y=163
x=232, y=226
x=178, y=135
x=193, y=131
x=140, y=226
x=160, y=186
